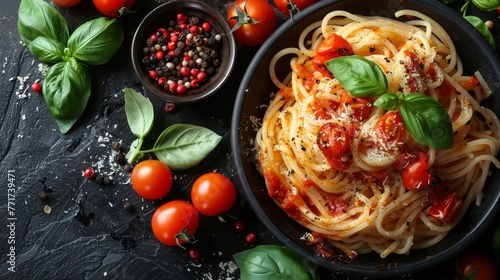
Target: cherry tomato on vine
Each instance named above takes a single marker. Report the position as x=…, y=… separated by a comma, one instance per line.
x=255, y=22
x=66, y=3
x=175, y=223
x=114, y=8
x=151, y=179
x=292, y=7
x=477, y=266
x=213, y=194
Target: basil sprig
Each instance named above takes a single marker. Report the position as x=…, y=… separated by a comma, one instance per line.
x=424, y=117
x=67, y=85
x=273, y=262
x=180, y=146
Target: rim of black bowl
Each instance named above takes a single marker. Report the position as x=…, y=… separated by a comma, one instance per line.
x=371, y=265
x=218, y=21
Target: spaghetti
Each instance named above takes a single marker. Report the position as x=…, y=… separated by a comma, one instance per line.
x=337, y=163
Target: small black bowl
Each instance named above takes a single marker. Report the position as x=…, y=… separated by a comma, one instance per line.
x=159, y=17
x=255, y=91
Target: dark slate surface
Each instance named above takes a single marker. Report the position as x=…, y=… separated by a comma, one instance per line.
x=88, y=234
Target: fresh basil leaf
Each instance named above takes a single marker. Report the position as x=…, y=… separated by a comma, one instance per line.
x=95, y=41
x=273, y=262
x=139, y=112
x=481, y=27
x=358, y=75
x=388, y=101
x=36, y=18
x=47, y=50
x=427, y=121
x=66, y=91
x=182, y=146
x=487, y=5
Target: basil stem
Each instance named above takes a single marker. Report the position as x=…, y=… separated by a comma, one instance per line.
x=358, y=75
x=37, y=18
x=427, y=121
x=273, y=262
x=95, y=41
x=389, y=101
x=66, y=90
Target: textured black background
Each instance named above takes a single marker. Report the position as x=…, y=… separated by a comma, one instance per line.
x=112, y=243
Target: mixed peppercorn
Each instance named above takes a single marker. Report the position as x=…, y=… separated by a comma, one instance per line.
x=182, y=55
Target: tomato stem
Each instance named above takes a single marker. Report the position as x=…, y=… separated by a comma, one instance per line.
x=242, y=17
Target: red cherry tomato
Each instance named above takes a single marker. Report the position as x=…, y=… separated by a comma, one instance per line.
x=175, y=223
x=114, y=8
x=333, y=140
x=390, y=127
x=258, y=23
x=477, y=266
x=151, y=179
x=213, y=194
x=66, y=3
x=291, y=7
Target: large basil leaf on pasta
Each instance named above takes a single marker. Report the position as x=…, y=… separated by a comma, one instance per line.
x=66, y=91
x=182, y=146
x=358, y=75
x=95, y=41
x=36, y=18
x=273, y=262
x=427, y=121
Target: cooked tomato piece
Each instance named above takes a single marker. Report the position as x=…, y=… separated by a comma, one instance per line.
x=416, y=175
x=447, y=209
x=390, y=128
x=357, y=107
x=333, y=46
x=414, y=70
x=334, y=140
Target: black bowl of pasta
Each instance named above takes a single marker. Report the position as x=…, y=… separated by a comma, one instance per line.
x=378, y=178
